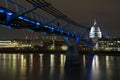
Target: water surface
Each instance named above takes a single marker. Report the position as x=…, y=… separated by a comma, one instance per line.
x=58, y=67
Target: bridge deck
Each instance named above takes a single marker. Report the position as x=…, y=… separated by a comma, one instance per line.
x=23, y=22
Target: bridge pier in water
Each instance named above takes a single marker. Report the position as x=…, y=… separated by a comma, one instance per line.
x=72, y=54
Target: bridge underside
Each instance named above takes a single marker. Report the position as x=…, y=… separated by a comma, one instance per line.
x=27, y=23
x=15, y=20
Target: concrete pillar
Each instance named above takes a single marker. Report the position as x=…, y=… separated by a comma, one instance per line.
x=72, y=52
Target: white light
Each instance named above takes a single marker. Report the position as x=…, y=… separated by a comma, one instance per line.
x=52, y=60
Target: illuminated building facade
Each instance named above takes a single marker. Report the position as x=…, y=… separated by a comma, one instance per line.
x=112, y=44
x=95, y=34
x=95, y=31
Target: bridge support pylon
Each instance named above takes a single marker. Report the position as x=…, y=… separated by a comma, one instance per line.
x=72, y=51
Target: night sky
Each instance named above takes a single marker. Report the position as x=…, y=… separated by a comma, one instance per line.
x=106, y=12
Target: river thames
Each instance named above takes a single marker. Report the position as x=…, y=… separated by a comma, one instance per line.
x=58, y=67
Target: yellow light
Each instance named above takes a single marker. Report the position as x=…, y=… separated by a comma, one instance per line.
x=64, y=47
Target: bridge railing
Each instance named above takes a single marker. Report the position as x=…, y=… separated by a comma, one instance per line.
x=17, y=8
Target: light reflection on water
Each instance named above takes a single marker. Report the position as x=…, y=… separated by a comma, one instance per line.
x=55, y=67
x=95, y=68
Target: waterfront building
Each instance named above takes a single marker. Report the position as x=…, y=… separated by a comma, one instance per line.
x=95, y=34
x=110, y=44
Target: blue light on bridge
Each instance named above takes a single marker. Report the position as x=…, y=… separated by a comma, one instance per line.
x=46, y=26
x=9, y=13
x=20, y=17
x=52, y=29
x=27, y=20
x=8, y=17
x=38, y=23
x=1, y=11
x=67, y=33
x=33, y=22
x=61, y=31
x=77, y=39
x=67, y=39
x=49, y=27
